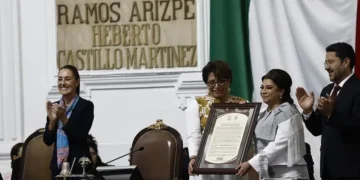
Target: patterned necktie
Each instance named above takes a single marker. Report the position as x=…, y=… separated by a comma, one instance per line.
x=335, y=91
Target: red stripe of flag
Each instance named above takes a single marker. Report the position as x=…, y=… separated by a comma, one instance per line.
x=357, y=41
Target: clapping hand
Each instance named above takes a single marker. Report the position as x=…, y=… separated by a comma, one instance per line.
x=60, y=111
x=325, y=105
x=306, y=102
x=50, y=113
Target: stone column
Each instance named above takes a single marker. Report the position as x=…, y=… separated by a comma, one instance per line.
x=11, y=99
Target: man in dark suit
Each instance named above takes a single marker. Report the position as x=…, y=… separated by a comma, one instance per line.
x=337, y=115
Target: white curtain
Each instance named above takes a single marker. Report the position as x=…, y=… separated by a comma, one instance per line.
x=292, y=35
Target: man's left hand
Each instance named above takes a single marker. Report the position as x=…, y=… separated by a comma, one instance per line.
x=325, y=105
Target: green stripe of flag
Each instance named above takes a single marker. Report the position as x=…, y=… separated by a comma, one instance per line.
x=229, y=41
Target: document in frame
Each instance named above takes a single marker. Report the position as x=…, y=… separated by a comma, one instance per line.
x=226, y=138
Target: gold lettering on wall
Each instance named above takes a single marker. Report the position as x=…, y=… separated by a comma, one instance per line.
x=142, y=57
x=126, y=34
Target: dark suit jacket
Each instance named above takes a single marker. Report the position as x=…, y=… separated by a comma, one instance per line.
x=340, y=145
x=77, y=130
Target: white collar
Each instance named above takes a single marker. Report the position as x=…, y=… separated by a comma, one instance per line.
x=341, y=84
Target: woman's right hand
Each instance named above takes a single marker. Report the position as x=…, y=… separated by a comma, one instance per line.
x=191, y=166
x=50, y=113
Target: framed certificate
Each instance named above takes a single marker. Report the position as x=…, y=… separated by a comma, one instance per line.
x=226, y=138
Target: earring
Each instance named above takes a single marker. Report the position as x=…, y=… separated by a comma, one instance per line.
x=229, y=89
x=280, y=96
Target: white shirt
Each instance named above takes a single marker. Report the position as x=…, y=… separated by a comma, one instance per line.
x=193, y=127
x=277, y=151
x=342, y=83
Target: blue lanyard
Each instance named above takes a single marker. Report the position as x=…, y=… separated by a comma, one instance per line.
x=70, y=108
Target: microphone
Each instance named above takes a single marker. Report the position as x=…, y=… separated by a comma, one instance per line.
x=140, y=149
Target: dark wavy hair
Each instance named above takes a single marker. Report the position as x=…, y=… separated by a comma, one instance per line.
x=94, y=144
x=343, y=50
x=283, y=81
x=76, y=74
x=219, y=68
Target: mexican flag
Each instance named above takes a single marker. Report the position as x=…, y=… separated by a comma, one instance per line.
x=254, y=36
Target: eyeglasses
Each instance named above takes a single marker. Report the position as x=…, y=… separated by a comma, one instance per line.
x=328, y=63
x=213, y=83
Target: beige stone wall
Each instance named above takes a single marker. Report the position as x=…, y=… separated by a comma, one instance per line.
x=126, y=34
